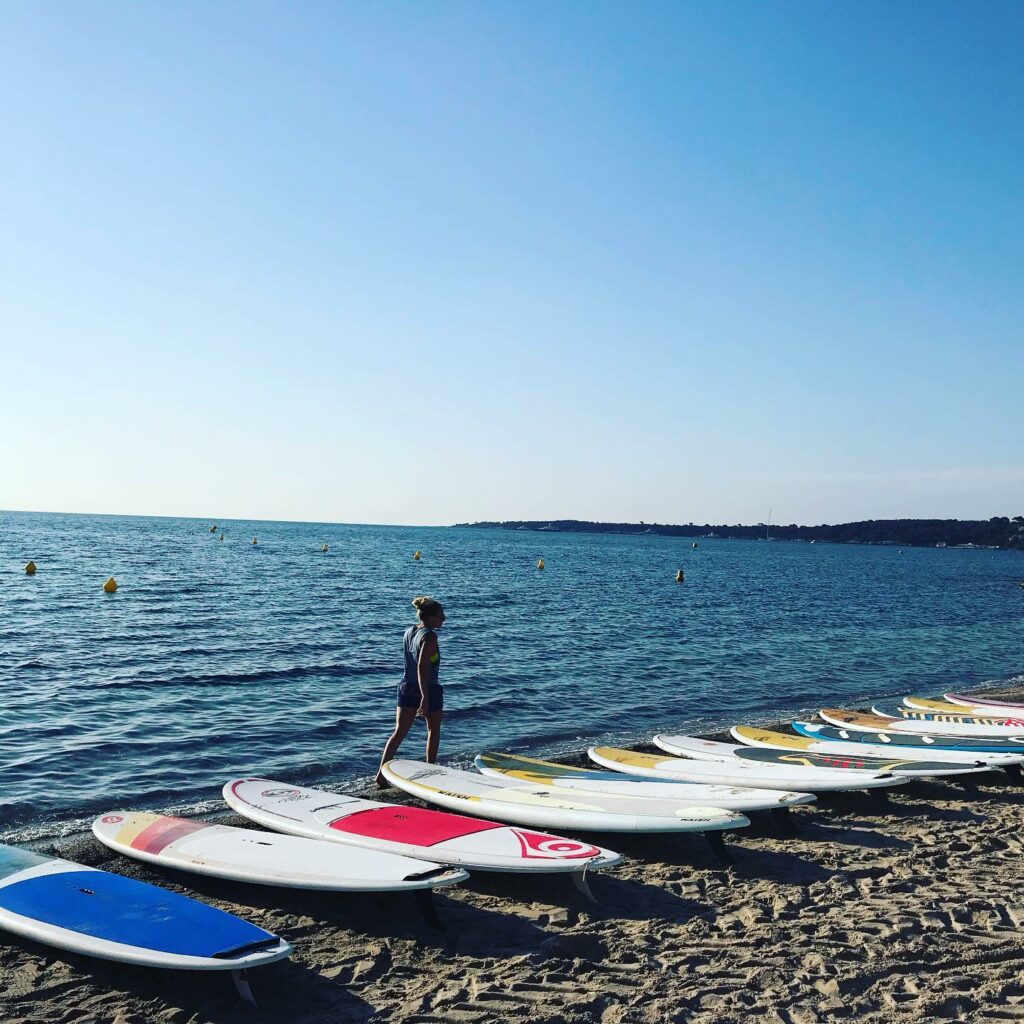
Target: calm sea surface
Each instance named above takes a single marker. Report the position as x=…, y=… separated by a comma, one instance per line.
x=220, y=658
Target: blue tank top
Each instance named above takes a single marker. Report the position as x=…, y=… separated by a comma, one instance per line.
x=412, y=642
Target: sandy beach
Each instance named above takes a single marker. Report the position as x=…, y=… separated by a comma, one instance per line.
x=903, y=908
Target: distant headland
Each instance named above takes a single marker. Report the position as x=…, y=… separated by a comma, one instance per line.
x=997, y=532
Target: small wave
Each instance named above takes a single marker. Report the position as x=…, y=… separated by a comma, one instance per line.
x=221, y=679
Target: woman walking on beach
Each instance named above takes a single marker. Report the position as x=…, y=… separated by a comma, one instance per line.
x=419, y=692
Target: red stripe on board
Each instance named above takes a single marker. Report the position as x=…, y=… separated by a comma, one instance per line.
x=411, y=825
x=164, y=831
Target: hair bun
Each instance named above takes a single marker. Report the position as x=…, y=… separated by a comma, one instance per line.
x=420, y=601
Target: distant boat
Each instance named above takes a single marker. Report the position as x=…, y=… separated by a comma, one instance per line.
x=941, y=544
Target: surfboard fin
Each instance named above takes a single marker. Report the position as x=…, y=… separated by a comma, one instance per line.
x=425, y=902
x=581, y=885
x=784, y=820
x=719, y=849
x=241, y=980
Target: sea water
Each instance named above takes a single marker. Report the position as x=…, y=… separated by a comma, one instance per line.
x=218, y=658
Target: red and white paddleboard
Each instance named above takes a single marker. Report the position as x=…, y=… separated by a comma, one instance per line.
x=436, y=836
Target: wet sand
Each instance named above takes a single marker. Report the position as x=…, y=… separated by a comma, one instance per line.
x=907, y=907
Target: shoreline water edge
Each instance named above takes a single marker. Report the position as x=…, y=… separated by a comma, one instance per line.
x=900, y=909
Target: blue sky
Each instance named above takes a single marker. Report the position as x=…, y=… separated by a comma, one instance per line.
x=426, y=263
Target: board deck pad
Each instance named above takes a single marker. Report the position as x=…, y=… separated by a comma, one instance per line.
x=415, y=825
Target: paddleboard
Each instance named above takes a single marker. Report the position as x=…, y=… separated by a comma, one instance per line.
x=110, y=917
x=1007, y=751
x=564, y=777
x=902, y=712
x=759, y=739
x=543, y=807
x=767, y=776
x=265, y=858
x=940, y=724
x=798, y=750
x=946, y=708
x=970, y=700
x=415, y=832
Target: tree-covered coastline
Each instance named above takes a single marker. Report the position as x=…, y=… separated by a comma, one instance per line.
x=997, y=532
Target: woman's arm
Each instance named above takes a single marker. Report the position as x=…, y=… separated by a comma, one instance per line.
x=428, y=653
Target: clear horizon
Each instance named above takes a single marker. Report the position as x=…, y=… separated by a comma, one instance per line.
x=225, y=522
x=450, y=263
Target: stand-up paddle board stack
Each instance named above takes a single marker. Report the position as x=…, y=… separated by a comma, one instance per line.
x=265, y=858
x=799, y=752
x=590, y=780
x=96, y=913
x=1009, y=750
x=911, y=721
x=411, y=831
x=739, y=773
x=543, y=807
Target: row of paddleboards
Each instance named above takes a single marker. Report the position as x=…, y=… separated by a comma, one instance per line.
x=494, y=819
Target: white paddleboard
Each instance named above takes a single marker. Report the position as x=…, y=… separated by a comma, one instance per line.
x=738, y=774
x=939, y=725
x=543, y=807
x=265, y=858
x=755, y=738
x=101, y=914
x=957, y=710
x=984, y=704
x=564, y=777
x=798, y=751
x=411, y=831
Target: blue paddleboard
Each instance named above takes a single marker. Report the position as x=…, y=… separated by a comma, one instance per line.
x=97, y=913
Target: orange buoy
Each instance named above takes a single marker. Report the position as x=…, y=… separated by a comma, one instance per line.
x=30, y=568
x=110, y=586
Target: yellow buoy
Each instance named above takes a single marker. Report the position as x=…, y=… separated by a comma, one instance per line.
x=110, y=586
x=324, y=548
x=213, y=529
x=416, y=556
x=30, y=568
x=679, y=576
x=255, y=541
x=540, y=563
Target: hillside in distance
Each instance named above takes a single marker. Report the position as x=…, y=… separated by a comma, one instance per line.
x=997, y=532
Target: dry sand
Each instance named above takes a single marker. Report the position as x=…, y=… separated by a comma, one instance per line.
x=906, y=908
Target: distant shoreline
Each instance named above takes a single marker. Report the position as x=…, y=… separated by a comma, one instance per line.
x=999, y=532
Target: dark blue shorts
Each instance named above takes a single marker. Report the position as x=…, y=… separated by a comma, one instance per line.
x=411, y=698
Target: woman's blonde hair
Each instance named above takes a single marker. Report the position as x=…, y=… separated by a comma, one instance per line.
x=426, y=606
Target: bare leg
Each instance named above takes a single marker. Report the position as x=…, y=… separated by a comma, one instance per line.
x=404, y=717
x=433, y=735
